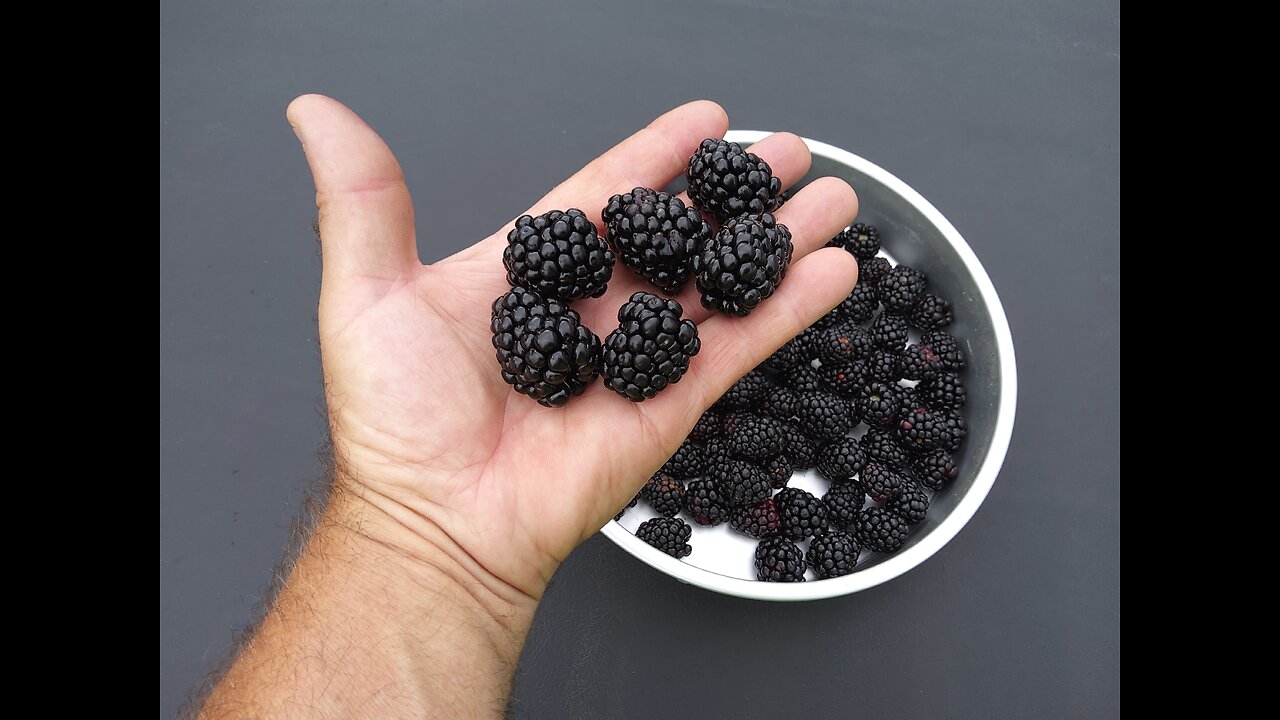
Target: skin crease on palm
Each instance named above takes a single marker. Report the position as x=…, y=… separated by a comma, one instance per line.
x=424, y=428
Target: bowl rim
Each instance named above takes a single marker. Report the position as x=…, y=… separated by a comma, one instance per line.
x=968, y=505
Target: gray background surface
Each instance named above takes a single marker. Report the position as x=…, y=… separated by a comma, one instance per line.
x=1004, y=113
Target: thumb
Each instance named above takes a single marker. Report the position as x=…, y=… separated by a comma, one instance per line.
x=366, y=216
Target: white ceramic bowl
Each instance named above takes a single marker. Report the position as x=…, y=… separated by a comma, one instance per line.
x=914, y=232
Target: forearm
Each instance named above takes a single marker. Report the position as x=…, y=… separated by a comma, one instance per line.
x=375, y=621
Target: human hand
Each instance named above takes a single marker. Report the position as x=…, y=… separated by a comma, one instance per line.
x=441, y=455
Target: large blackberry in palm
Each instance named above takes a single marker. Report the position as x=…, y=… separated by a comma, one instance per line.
x=726, y=181
x=650, y=349
x=655, y=235
x=542, y=346
x=743, y=264
x=558, y=255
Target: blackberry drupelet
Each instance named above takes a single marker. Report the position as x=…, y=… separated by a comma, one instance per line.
x=704, y=503
x=841, y=460
x=558, y=255
x=542, y=346
x=743, y=264
x=664, y=493
x=889, y=331
x=873, y=270
x=862, y=303
x=778, y=402
x=925, y=429
x=842, y=343
x=688, y=461
x=805, y=379
x=885, y=366
x=803, y=515
x=844, y=502
x=779, y=560
x=880, y=482
x=759, y=521
x=650, y=349
x=797, y=447
x=860, y=240
x=944, y=390
x=930, y=313
x=878, y=404
x=779, y=469
x=833, y=554
x=670, y=535
x=881, y=530
x=740, y=482
x=934, y=469
x=880, y=445
x=627, y=507
x=825, y=417
x=752, y=437
x=900, y=288
x=707, y=427
x=744, y=393
x=726, y=181
x=911, y=505
x=655, y=235
x=843, y=379
x=918, y=362
x=945, y=347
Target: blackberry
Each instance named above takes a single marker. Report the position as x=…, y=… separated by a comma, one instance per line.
x=825, y=417
x=797, y=447
x=805, y=379
x=707, y=427
x=543, y=348
x=655, y=235
x=843, y=343
x=944, y=390
x=861, y=240
x=873, y=270
x=833, y=554
x=650, y=349
x=945, y=347
x=889, y=331
x=880, y=445
x=688, y=461
x=726, y=181
x=911, y=505
x=778, y=402
x=558, y=255
x=740, y=482
x=841, y=460
x=744, y=393
x=908, y=401
x=930, y=313
x=885, y=366
x=880, y=482
x=925, y=429
x=759, y=521
x=743, y=264
x=717, y=453
x=794, y=353
x=900, y=288
x=934, y=469
x=881, y=530
x=918, y=362
x=664, y=493
x=670, y=535
x=803, y=515
x=844, y=502
x=705, y=504
x=878, y=404
x=778, y=560
x=627, y=507
x=844, y=379
x=779, y=470
x=752, y=437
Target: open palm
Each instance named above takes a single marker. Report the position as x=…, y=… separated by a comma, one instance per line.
x=422, y=423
